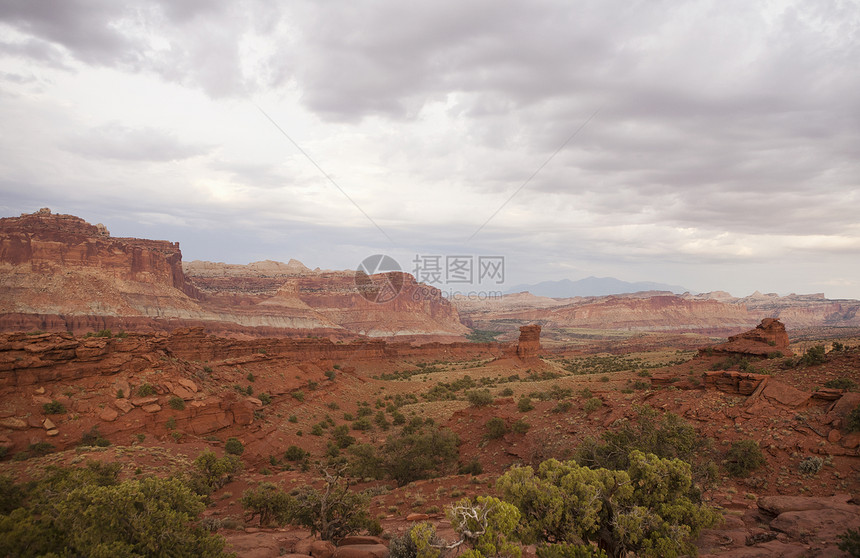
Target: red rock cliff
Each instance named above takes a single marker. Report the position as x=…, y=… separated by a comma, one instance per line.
x=49, y=243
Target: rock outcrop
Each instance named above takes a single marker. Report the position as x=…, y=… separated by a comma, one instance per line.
x=60, y=273
x=768, y=337
x=108, y=375
x=529, y=342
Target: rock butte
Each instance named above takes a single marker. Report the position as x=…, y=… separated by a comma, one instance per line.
x=60, y=273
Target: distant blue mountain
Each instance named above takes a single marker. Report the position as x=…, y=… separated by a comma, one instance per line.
x=592, y=286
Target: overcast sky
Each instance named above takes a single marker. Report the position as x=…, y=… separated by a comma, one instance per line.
x=714, y=145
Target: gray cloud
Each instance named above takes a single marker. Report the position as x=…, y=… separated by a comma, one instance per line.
x=722, y=123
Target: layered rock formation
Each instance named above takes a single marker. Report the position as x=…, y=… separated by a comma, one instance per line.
x=59, y=273
x=529, y=343
x=765, y=339
x=715, y=313
x=639, y=312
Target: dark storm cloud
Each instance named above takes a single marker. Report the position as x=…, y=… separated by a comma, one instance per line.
x=191, y=42
x=138, y=144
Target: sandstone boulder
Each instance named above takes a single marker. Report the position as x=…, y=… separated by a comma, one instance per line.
x=14, y=423
x=362, y=551
x=123, y=405
x=188, y=384
x=844, y=405
x=779, y=392
x=322, y=549
x=776, y=505
x=823, y=525
x=109, y=414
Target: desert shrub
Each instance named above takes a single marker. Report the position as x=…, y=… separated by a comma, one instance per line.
x=849, y=542
x=171, y=423
x=269, y=503
x=415, y=453
x=265, y=398
x=651, y=509
x=54, y=408
x=811, y=465
x=841, y=383
x=420, y=541
x=210, y=472
x=295, y=453
x=334, y=512
x=37, y=449
x=11, y=495
x=666, y=436
x=317, y=430
x=176, y=403
x=568, y=550
x=562, y=407
x=233, y=446
x=364, y=461
x=93, y=437
x=520, y=426
x=145, y=390
x=363, y=424
x=341, y=436
x=479, y=397
x=852, y=420
x=250, y=377
x=487, y=526
x=496, y=428
x=744, y=457
x=507, y=392
x=398, y=418
x=331, y=374
x=813, y=355
x=641, y=384
x=592, y=404
x=293, y=418
x=473, y=468
x=381, y=420
x=524, y=405
x=93, y=515
x=298, y=395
